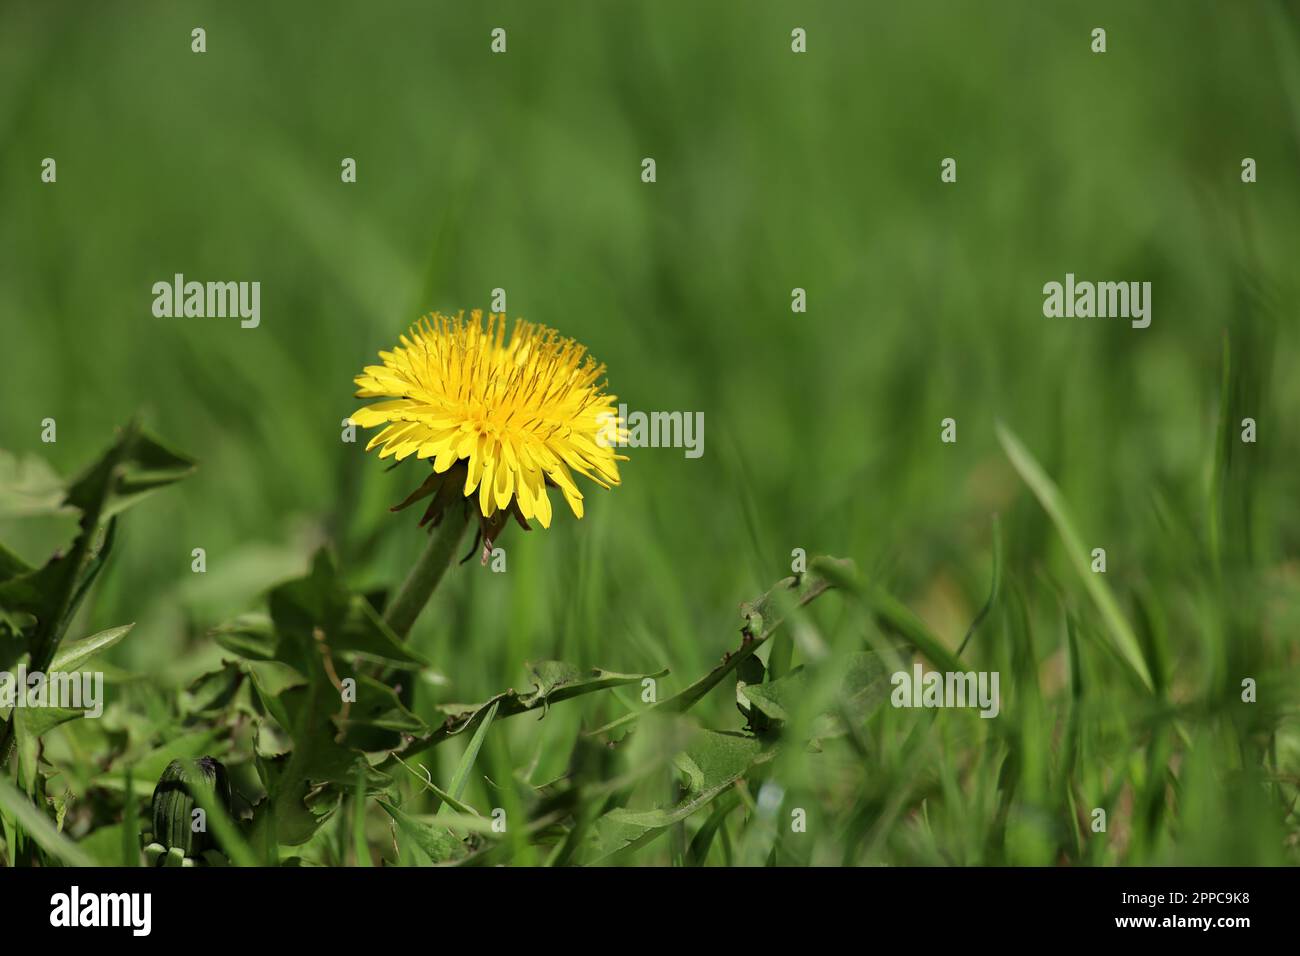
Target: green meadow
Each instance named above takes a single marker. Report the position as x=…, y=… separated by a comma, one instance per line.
x=745, y=608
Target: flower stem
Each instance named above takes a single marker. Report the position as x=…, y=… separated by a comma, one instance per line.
x=424, y=577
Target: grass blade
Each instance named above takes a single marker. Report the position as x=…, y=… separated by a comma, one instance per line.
x=1050, y=498
x=993, y=587
x=40, y=829
x=461, y=777
x=359, y=819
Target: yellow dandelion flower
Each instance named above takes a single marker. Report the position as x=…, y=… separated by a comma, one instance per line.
x=500, y=420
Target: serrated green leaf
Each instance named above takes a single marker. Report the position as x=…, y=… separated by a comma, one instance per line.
x=251, y=636
x=774, y=699
x=461, y=717
x=132, y=467
x=29, y=487
x=803, y=593
x=319, y=608
x=438, y=843
x=11, y=565
x=712, y=763
x=209, y=694
x=377, y=720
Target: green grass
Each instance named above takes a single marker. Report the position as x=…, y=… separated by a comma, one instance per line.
x=1120, y=691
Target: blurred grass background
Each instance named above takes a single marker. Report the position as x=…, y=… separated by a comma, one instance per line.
x=775, y=171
